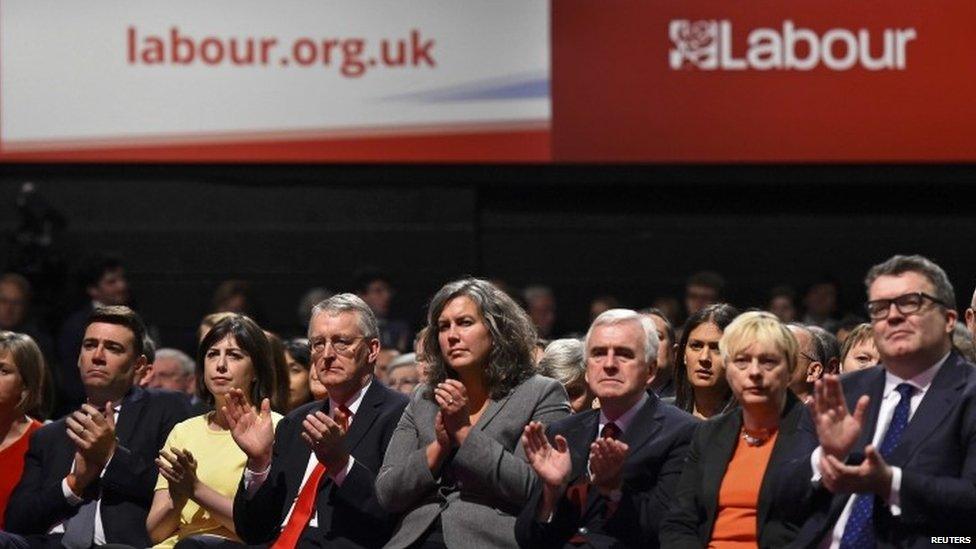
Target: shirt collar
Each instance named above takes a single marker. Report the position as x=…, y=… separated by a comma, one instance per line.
x=921, y=382
x=354, y=402
x=624, y=420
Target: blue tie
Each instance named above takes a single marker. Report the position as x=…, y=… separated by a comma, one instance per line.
x=859, y=531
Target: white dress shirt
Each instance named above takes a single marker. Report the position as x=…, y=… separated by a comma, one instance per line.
x=889, y=400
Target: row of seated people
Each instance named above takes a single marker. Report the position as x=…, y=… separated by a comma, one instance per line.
x=488, y=454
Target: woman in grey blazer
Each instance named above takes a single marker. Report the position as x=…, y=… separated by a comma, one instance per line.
x=453, y=467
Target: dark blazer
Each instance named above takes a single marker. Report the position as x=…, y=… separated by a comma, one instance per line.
x=348, y=515
x=937, y=456
x=145, y=420
x=784, y=496
x=658, y=438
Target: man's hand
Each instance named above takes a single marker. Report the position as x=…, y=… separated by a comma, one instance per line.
x=253, y=432
x=326, y=437
x=872, y=476
x=551, y=463
x=837, y=429
x=452, y=397
x=93, y=434
x=607, y=458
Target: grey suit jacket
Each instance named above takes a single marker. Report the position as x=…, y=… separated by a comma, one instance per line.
x=482, y=488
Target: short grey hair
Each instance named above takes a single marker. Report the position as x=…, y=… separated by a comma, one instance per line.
x=900, y=264
x=564, y=361
x=186, y=363
x=409, y=359
x=343, y=303
x=618, y=316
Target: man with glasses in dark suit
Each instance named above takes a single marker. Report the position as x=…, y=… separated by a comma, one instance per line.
x=897, y=455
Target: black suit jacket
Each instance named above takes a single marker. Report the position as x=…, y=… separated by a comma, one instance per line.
x=937, y=456
x=145, y=420
x=785, y=495
x=348, y=515
x=658, y=438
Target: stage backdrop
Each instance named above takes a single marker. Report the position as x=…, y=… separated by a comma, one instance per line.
x=253, y=80
x=448, y=81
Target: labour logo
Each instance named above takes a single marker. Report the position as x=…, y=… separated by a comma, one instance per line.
x=694, y=42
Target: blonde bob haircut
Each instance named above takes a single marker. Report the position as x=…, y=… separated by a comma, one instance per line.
x=759, y=327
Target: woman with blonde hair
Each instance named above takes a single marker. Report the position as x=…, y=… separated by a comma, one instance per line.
x=743, y=482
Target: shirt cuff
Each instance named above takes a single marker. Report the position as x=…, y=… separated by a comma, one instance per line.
x=894, y=497
x=339, y=477
x=253, y=480
x=71, y=497
x=815, y=465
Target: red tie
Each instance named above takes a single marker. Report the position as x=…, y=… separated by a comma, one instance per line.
x=306, y=500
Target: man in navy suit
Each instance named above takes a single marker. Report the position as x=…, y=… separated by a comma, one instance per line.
x=901, y=468
x=609, y=474
x=89, y=477
x=312, y=483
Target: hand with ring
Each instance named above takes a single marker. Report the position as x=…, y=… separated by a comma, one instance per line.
x=452, y=398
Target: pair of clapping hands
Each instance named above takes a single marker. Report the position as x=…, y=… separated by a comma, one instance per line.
x=838, y=430
x=93, y=433
x=553, y=464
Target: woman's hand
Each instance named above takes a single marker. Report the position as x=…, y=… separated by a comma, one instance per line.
x=253, y=432
x=179, y=468
x=452, y=397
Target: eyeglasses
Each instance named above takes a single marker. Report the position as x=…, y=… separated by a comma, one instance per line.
x=339, y=345
x=878, y=309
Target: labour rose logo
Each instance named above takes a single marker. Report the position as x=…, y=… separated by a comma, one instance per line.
x=694, y=42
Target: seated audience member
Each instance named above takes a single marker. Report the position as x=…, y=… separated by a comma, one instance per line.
x=233, y=296
x=174, y=370
x=831, y=349
x=820, y=304
x=540, y=304
x=16, y=295
x=21, y=386
x=403, y=375
x=376, y=289
x=88, y=477
x=200, y=466
x=315, y=384
x=104, y=281
x=420, y=357
x=742, y=484
x=144, y=374
x=453, y=467
x=782, y=303
x=383, y=361
x=299, y=359
x=609, y=474
x=311, y=482
x=962, y=341
x=700, y=387
x=564, y=362
x=208, y=322
x=901, y=467
x=859, y=350
x=601, y=304
x=663, y=381
x=281, y=380
x=847, y=324
x=810, y=361
x=701, y=290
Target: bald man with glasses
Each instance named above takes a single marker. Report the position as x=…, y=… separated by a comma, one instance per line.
x=896, y=465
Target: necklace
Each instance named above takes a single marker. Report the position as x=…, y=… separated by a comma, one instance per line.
x=756, y=438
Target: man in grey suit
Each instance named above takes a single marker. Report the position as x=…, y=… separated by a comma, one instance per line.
x=608, y=477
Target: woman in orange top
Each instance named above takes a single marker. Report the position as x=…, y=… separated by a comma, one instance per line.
x=21, y=384
x=746, y=481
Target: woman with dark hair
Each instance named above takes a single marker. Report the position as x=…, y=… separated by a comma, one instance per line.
x=21, y=387
x=200, y=466
x=299, y=359
x=280, y=395
x=743, y=483
x=452, y=467
x=699, y=371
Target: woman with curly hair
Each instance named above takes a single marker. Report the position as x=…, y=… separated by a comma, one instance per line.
x=453, y=468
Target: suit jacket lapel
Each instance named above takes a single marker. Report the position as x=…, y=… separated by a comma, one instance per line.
x=936, y=403
x=792, y=412
x=494, y=406
x=579, y=438
x=365, y=416
x=129, y=414
x=643, y=426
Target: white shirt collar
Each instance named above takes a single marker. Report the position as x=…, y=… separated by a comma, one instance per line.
x=624, y=420
x=921, y=382
x=354, y=402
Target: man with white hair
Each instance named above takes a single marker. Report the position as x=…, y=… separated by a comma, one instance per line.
x=608, y=475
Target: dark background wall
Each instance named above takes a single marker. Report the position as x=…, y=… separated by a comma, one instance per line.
x=633, y=231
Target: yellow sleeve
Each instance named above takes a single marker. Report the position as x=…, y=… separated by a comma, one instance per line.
x=173, y=439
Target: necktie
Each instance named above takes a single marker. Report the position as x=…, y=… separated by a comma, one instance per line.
x=611, y=431
x=79, y=532
x=305, y=503
x=859, y=531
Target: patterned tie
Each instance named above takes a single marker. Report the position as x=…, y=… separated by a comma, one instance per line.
x=305, y=503
x=859, y=531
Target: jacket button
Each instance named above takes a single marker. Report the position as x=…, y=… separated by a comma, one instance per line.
x=583, y=530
